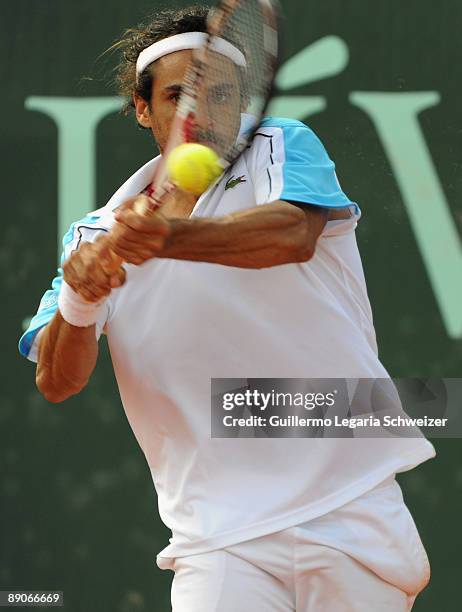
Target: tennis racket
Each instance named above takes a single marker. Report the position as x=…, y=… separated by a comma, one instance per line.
x=229, y=81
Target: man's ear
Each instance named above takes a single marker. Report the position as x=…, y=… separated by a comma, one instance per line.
x=143, y=114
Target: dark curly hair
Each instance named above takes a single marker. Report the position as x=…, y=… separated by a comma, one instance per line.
x=160, y=25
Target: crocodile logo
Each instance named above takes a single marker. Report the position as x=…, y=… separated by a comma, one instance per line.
x=232, y=182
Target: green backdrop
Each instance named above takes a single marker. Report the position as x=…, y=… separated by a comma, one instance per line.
x=77, y=505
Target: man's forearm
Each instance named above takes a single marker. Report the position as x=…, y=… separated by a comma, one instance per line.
x=266, y=236
x=67, y=357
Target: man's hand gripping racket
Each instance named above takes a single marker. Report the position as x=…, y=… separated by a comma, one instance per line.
x=229, y=82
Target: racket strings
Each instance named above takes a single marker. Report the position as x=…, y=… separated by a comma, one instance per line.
x=231, y=98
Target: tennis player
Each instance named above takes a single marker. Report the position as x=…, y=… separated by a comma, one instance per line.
x=259, y=277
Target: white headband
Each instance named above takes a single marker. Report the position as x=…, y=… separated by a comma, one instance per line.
x=187, y=40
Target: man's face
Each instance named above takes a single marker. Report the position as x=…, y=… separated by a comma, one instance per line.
x=219, y=104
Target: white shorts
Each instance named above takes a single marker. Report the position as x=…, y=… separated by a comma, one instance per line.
x=364, y=556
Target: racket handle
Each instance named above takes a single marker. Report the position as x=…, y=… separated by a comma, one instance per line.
x=113, y=261
x=141, y=207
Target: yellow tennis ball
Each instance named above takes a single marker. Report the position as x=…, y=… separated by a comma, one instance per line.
x=193, y=167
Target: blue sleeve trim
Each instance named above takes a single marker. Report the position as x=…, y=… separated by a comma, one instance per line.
x=46, y=311
x=49, y=302
x=308, y=173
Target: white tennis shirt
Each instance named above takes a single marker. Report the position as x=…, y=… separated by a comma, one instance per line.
x=175, y=325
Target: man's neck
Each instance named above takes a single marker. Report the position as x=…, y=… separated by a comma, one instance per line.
x=179, y=205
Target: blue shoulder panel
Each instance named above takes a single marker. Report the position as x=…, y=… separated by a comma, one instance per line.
x=308, y=173
x=49, y=302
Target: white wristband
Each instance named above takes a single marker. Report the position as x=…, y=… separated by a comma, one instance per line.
x=75, y=310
